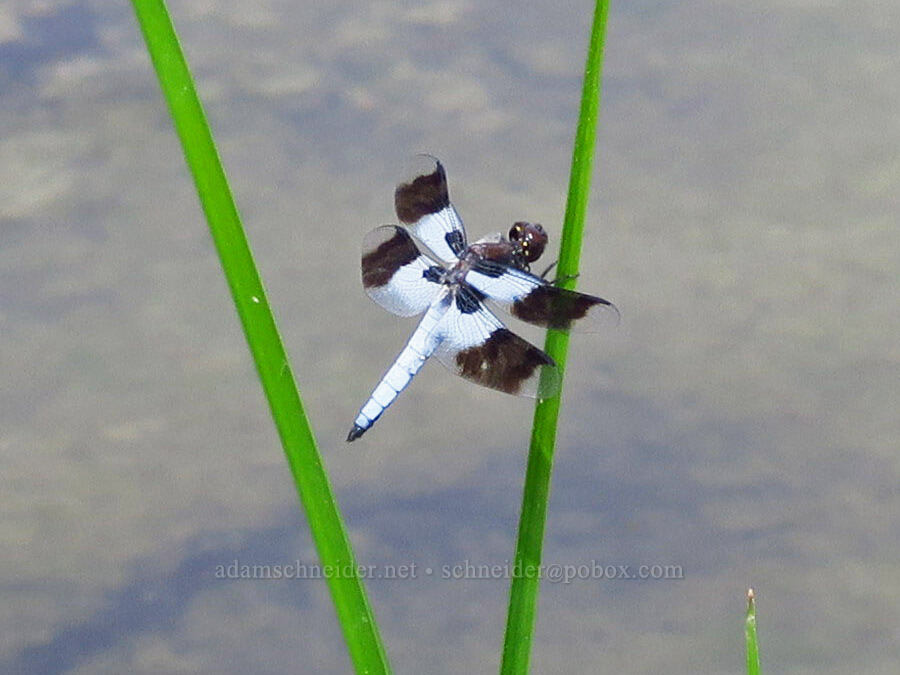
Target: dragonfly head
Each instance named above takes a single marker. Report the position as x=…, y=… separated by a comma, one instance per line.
x=529, y=238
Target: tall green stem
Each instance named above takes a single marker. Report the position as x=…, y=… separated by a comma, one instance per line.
x=330, y=538
x=529, y=546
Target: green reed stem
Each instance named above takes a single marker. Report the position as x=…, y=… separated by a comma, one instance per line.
x=525, y=585
x=354, y=613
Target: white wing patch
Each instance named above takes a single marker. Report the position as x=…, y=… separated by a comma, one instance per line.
x=438, y=230
x=393, y=272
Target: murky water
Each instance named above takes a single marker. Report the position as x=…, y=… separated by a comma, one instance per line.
x=740, y=424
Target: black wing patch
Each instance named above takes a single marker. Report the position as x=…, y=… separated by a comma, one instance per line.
x=423, y=203
x=424, y=195
x=556, y=307
x=532, y=299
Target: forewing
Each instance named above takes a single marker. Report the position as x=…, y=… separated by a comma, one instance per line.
x=475, y=345
x=423, y=204
x=538, y=302
x=393, y=271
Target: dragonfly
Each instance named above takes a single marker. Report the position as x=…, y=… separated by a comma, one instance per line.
x=449, y=283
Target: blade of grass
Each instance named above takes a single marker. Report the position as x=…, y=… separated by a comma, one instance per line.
x=354, y=613
x=750, y=633
x=525, y=584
